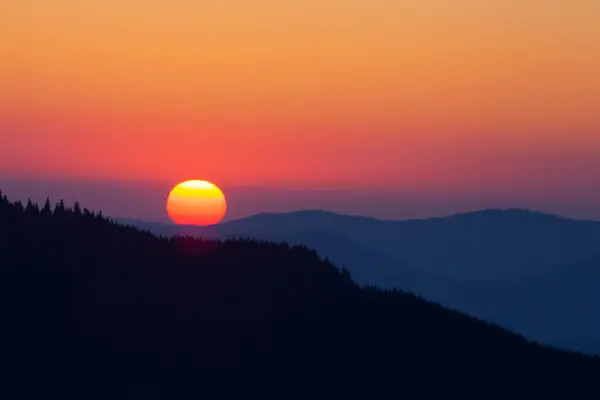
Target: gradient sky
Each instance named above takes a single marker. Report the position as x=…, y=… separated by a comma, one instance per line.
x=436, y=97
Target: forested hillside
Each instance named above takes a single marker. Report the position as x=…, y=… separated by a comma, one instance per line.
x=91, y=308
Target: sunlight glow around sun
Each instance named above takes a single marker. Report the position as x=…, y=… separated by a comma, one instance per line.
x=196, y=202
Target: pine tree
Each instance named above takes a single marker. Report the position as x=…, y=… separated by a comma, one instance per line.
x=31, y=208
x=77, y=209
x=3, y=198
x=19, y=207
x=60, y=209
x=47, y=210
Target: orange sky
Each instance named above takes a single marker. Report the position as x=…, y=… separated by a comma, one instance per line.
x=417, y=94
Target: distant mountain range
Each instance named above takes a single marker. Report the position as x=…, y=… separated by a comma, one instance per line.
x=535, y=273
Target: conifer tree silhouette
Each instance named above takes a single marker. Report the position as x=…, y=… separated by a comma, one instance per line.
x=47, y=209
x=31, y=208
x=77, y=209
x=60, y=210
x=19, y=207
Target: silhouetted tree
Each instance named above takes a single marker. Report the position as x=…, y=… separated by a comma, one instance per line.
x=31, y=208
x=59, y=212
x=77, y=210
x=19, y=207
x=346, y=274
x=47, y=209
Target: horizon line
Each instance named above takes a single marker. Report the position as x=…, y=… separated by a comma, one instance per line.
x=362, y=216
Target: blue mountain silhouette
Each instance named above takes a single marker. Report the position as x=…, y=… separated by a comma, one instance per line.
x=529, y=271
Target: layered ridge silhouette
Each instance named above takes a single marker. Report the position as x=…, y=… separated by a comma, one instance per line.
x=535, y=273
x=93, y=308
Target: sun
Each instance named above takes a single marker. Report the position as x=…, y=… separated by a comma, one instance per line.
x=196, y=202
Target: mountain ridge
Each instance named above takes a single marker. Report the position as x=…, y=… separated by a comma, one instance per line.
x=469, y=262
x=93, y=307
x=323, y=212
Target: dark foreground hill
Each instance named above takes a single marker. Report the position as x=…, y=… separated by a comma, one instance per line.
x=91, y=308
x=534, y=273
x=482, y=245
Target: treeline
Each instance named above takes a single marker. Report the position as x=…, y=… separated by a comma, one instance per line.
x=91, y=308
